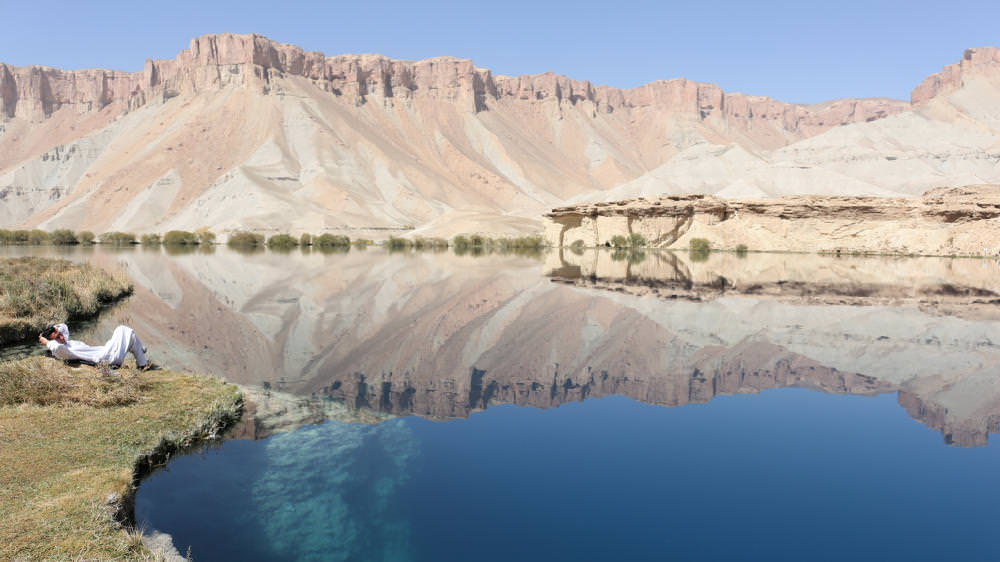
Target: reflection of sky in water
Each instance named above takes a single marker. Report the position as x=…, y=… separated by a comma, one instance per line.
x=785, y=475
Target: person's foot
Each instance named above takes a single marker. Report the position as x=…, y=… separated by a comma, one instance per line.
x=150, y=366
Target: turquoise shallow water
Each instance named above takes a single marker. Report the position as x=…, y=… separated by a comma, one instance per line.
x=785, y=475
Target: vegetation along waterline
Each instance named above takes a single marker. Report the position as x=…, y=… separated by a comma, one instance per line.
x=77, y=441
x=35, y=292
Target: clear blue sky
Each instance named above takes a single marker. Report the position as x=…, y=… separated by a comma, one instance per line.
x=793, y=51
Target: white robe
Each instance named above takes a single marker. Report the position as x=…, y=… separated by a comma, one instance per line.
x=122, y=342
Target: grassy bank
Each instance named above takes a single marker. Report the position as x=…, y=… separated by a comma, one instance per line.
x=75, y=441
x=35, y=292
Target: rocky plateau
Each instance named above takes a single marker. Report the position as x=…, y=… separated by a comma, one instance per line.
x=944, y=221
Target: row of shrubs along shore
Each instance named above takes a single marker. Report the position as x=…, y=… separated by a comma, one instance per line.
x=245, y=239
x=65, y=237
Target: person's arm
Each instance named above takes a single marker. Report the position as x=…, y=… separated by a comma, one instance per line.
x=58, y=350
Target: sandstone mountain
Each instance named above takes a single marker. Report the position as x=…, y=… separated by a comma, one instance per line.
x=241, y=132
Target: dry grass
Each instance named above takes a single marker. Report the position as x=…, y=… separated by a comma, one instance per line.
x=35, y=292
x=83, y=435
x=45, y=382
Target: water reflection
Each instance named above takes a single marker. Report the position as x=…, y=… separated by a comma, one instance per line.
x=443, y=335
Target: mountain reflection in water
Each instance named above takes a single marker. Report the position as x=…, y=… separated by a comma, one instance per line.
x=441, y=336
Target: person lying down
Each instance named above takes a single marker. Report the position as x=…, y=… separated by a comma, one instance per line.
x=123, y=341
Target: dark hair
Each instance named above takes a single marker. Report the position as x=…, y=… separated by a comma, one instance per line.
x=48, y=331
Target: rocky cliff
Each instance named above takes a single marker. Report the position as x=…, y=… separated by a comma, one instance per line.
x=946, y=221
x=981, y=63
x=241, y=132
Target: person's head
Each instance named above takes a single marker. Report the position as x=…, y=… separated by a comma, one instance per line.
x=57, y=332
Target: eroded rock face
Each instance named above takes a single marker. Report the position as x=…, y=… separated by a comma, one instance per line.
x=949, y=221
x=351, y=141
x=215, y=61
x=980, y=62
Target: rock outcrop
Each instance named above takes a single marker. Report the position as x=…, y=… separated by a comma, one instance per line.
x=945, y=221
x=217, y=61
x=982, y=62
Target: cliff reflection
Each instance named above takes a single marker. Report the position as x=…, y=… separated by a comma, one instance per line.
x=964, y=287
x=441, y=336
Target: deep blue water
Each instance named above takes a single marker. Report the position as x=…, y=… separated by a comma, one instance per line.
x=788, y=474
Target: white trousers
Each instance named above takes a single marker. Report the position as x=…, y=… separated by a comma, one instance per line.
x=124, y=341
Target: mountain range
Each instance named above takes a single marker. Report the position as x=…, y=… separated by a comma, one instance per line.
x=241, y=132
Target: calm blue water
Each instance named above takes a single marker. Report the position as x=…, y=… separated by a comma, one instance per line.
x=788, y=474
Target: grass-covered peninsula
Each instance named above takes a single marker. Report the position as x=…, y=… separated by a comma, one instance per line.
x=75, y=441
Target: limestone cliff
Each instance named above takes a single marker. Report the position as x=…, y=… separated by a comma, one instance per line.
x=239, y=131
x=946, y=221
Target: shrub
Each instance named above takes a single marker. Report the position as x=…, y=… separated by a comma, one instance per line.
x=37, y=237
x=430, y=243
x=332, y=241
x=282, y=241
x=205, y=236
x=460, y=242
x=619, y=241
x=85, y=237
x=477, y=241
x=362, y=242
x=118, y=238
x=244, y=239
x=398, y=243
x=63, y=237
x=637, y=240
x=180, y=238
x=150, y=240
x=700, y=245
x=305, y=239
x=741, y=250
x=20, y=236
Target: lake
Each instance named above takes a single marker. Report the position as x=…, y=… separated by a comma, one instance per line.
x=591, y=405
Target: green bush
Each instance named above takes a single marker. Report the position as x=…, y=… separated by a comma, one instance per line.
x=20, y=236
x=477, y=241
x=637, y=240
x=150, y=240
x=362, y=242
x=37, y=237
x=282, y=241
x=305, y=240
x=460, y=242
x=332, y=241
x=117, y=238
x=394, y=243
x=421, y=243
x=619, y=241
x=180, y=238
x=244, y=239
x=205, y=236
x=85, y=237
x=63, y=237
x=741, y=250
x=700, y=245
